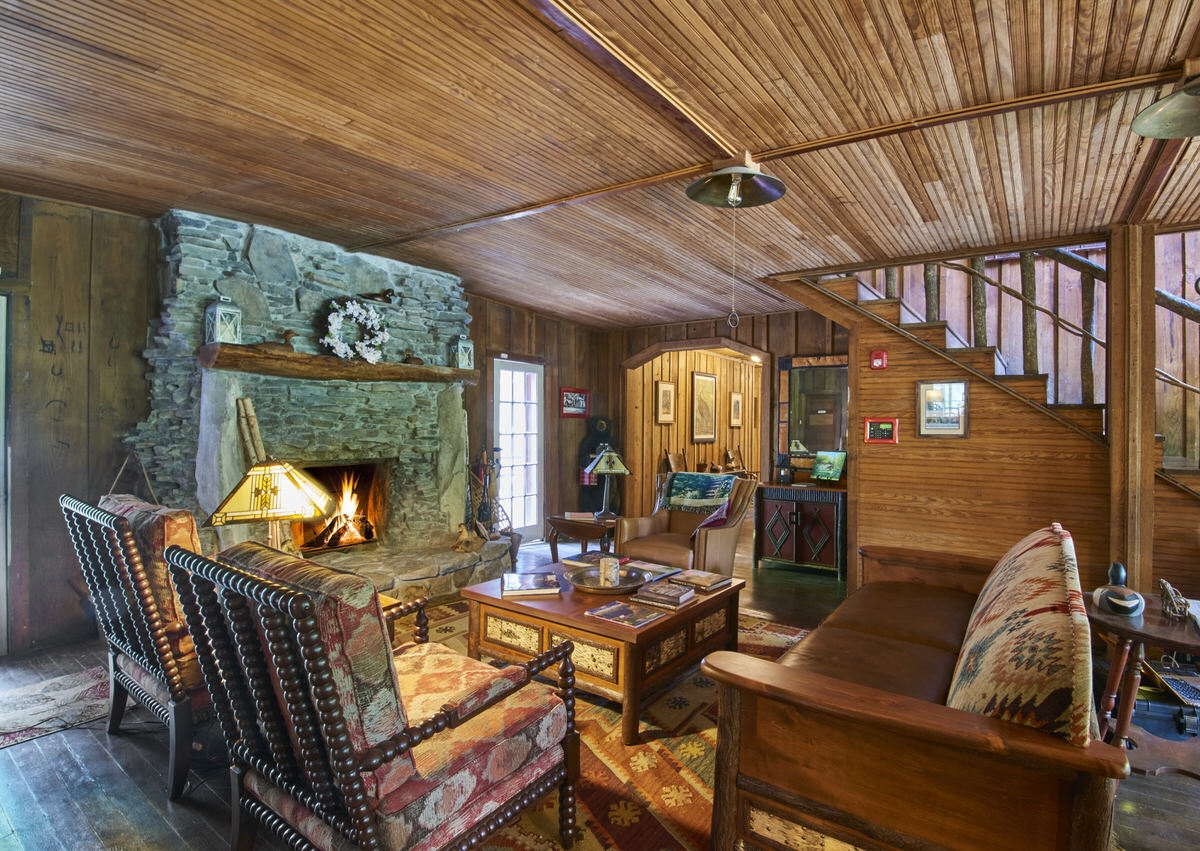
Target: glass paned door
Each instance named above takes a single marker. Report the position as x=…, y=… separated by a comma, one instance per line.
x=517, y=415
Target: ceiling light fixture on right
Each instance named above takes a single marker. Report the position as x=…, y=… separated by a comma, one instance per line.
x=1177, y=116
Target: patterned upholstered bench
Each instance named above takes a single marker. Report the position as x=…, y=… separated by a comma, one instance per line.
x=926, y=710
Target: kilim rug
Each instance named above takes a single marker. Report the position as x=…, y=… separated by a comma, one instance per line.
x=52, y=705
x=656, y=795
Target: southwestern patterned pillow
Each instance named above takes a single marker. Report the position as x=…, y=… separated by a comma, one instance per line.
x=1027, y=655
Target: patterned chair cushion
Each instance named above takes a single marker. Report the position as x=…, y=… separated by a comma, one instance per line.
x=350, y=623
x=1026, y=656
x=470, y=768
x=156, y=527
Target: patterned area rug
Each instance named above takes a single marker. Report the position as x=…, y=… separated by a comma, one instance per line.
x=656, y=795
x=52, y=705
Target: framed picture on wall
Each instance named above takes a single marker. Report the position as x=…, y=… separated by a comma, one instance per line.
x=664, y=402
x=573, y=402
x=704, y=407
x=942, y=408
x=735, y=409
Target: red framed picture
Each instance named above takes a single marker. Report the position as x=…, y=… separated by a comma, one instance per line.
x=573, y=402
x=881, y=430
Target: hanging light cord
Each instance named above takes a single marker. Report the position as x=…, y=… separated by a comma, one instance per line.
x=734, y=320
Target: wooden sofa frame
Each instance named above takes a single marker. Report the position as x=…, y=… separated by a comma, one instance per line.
x=888, y=771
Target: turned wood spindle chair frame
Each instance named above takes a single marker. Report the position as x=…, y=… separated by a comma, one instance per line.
x=131, y=624
x=228, y=609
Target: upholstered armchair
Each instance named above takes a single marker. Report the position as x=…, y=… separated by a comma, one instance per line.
x=337, y=739
x=685, y=532
x=150, y=653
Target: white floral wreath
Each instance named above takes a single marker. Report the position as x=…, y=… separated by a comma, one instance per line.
x=373, y=335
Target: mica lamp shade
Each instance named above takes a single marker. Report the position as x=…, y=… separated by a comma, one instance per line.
x=273, y=491
x=607, y=463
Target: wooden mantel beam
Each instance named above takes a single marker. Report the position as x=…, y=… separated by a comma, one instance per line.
x=277, y=360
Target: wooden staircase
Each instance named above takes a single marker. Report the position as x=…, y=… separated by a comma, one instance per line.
x=842, y=296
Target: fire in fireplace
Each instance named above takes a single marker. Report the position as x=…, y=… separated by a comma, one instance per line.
x=360, y=512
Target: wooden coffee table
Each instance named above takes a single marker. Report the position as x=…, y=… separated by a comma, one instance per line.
x=611, y=660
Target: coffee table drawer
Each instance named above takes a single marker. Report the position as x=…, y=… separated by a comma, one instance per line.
x=505, y=634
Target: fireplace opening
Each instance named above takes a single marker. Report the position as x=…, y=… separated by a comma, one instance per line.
x=359, y=515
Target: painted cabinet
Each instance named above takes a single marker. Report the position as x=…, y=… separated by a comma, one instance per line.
x=801, y=525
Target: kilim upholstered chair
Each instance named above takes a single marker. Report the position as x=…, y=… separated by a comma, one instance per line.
x=150, y=654
x=337, y=739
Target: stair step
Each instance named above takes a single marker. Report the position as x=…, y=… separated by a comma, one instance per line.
x=1090, y=417
x=1030, y=386
x=934, y=333
x=982, y=358
x=848, y=287
x=887, y=309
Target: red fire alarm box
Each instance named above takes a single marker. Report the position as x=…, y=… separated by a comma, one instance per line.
x=879, y=359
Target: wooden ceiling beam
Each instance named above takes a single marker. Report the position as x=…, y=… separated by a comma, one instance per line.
x=867, y=134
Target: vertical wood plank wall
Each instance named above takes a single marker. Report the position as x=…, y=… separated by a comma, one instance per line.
x=647, y=442
x=81, y=303
x=572, y=356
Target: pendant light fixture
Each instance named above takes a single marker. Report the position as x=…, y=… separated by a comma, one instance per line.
x=733, y=184
x=1177, y=116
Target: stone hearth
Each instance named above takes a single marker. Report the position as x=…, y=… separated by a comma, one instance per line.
x=190, y=443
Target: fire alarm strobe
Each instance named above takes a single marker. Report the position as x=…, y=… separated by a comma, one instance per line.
x=879, y=359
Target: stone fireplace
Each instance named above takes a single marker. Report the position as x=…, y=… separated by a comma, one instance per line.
x=411, y=432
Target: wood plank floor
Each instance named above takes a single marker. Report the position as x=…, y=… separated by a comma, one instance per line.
x=83, y=789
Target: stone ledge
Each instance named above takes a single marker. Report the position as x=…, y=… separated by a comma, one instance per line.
x=406, y=573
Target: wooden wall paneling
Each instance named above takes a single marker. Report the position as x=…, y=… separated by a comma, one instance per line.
x=123, y=288
x=10, y=234
x=56, y=387
x=1189, y=262
x=1018, y=468
x=781, y=334
x=1176, y=541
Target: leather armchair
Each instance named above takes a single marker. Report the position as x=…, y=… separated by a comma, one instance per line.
x=666, y=537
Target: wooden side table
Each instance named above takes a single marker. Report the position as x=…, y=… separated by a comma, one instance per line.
x=1148, y=754
x=584, y=530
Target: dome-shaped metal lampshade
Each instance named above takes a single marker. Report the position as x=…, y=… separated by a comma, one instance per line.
x=1176, y=116
x=736, y=186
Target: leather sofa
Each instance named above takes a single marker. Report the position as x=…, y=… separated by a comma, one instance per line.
x=688, y=539
x=942, y=704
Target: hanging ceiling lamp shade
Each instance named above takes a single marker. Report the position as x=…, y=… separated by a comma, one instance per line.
x=1176, y=116
x=736, y=183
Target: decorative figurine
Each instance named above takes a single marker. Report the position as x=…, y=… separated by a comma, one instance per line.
x=1115, y=598
x=1174, y=604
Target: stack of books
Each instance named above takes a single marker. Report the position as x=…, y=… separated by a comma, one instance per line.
x=663, y=594
x=700, y=580
x=528, y=584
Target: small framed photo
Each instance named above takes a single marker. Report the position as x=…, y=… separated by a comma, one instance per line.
x=704, y=407
x=735, y=409
x=664, y=402
x=573, y=402
x=942, y=408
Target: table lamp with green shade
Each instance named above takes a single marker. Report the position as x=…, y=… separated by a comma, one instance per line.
x=273, y=491
x=607, y=463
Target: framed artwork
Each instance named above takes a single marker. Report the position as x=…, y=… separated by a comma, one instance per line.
x=704, y=407
x=735, y=409
x=573, y=402
x=942, y=408
x=664, y=402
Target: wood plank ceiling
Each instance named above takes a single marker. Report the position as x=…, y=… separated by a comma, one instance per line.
x=540, y=148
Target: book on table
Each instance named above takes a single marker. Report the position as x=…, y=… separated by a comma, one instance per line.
x=579, y=515
x=592, y=558
x=663, y=594
x=529, y=584
x=655, y=571
x=629, y=614
x=701, y=580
